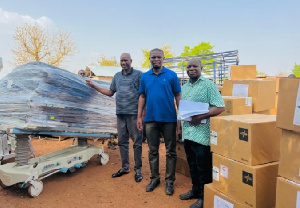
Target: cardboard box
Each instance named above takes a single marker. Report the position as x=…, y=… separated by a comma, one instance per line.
x=215, y=199
x=238, y=72
x=180, y=149
x=288, y=111
x=236, y=106
x=251, y=139
x=182, y=166
x=251, y=185
x=265, y=112
x=276, y=79
x=262, y=92
x=220, y=88
x=289, y=162
x=273, y=111
x=287, y=194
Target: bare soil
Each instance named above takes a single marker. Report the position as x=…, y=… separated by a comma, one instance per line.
x=93, y=186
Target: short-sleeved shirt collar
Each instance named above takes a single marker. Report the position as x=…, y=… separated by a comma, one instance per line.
x=198, y=80
x=161, y=72
x=131, y=70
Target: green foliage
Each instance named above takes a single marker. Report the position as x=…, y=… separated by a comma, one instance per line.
x=296, y=70
x=104, y=61
x=200, y=49
x=146, y=54
x=261, y=74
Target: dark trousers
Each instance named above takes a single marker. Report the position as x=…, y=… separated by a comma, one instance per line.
x=199, y=159
x=126, y=124
x=153, y=132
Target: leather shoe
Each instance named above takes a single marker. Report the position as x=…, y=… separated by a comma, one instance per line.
x=197, y=204
x=169, y=188
x=138, y=176
x=152, y=185
x=120, y=173
x=188, y=195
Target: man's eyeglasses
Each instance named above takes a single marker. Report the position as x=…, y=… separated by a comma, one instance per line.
x=82, y=73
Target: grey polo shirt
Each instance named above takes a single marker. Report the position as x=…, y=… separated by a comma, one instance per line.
x=127, y=91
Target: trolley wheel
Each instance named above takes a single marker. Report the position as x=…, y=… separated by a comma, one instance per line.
x=35, y=190
x=3, y=185
x=104, y=158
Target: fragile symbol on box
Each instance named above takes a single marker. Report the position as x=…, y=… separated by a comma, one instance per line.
x=224, y=171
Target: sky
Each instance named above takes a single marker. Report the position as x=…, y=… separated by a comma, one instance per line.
x=266, y=33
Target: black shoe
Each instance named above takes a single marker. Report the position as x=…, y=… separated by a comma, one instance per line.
x=152, y=185
x=138, y=176
x=169, y=188
x=188, y=195
x=197, y=204
x=120, y=173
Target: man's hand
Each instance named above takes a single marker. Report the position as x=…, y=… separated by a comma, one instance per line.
x=89, y=82
x=139, y=124
x=196, y=120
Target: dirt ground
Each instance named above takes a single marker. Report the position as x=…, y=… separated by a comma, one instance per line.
x=93, y=186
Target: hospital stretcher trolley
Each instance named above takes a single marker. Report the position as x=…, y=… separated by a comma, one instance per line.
x=28, y=173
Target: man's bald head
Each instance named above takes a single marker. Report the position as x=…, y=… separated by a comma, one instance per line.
x=127, y=55
x=196, y=60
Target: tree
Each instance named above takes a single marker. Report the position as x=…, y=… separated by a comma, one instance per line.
x=296, y=70
x=261, y=74
x=146, y=54
x=104, y=61
x=200, y=49
x=37, y=44
x=282, y=74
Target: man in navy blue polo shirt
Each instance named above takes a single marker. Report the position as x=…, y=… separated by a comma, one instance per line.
x=158, y=88
x=126, y=85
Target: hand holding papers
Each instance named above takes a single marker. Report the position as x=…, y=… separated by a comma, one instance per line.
x=188, y=108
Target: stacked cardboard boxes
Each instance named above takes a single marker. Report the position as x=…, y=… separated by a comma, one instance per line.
x=288, y=119
x=263, y=92
x=245, y=150
x=238, y=72
x=274, y=110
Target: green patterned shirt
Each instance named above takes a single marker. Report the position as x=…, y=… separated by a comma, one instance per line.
x=205, y=91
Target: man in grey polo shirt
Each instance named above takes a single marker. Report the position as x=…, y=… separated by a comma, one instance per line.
x=126, y=85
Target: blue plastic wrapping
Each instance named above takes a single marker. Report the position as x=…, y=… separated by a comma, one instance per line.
x=37, y=96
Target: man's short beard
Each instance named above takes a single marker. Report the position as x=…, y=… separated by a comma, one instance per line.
x=156, y=67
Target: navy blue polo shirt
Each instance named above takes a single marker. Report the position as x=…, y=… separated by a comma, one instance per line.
x=159, y=90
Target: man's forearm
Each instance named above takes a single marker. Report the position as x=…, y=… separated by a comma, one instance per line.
x=104, y=91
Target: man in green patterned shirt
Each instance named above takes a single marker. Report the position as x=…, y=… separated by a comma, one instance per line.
x=196, y=133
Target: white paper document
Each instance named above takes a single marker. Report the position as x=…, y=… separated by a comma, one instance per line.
x=240, y=90
x=297, y=109
x=188, y=108
x=298, y=200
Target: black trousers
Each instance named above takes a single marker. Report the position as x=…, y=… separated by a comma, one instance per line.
x=153, y=133
x=199, y=159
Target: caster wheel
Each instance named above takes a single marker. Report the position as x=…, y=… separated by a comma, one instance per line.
x=35, y=190
x=104, y=158
x=3, y=185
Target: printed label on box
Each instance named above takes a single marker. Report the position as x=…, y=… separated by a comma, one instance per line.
x=298, y=200
x=221, y=203
x=215, y=173
x=224, y=171
x=297, y=109
x=214, y=137
x=248, y=101
x=247, y=178
x=240, y=90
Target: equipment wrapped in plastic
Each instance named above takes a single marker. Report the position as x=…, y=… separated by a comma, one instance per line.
x=38, y=96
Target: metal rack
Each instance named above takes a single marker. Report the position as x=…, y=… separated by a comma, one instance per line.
x=216, y=67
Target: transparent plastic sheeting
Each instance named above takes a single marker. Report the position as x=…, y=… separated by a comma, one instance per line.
x=37, y=96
